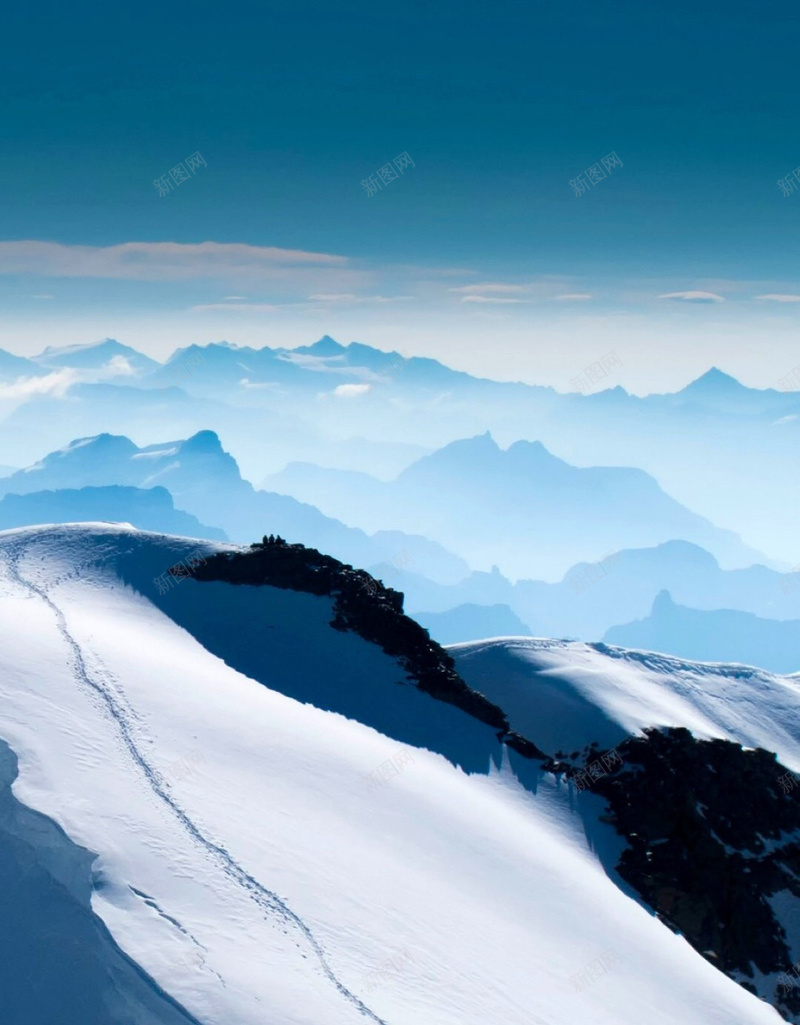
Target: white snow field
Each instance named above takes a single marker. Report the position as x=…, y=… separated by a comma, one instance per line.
x=564, y=694
x=246, y=860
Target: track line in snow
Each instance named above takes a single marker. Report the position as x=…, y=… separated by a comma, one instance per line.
x=265, y=898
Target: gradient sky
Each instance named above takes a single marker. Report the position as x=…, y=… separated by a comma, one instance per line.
x=469, y=255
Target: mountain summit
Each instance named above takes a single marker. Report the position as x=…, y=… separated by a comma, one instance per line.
x=714, y=382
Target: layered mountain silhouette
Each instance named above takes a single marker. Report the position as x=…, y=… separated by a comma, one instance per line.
x=721, y=635
x=700, y=443
x=110, y=478
x=522, y=509
x=145, y=508
x=108, y=354
x=204, y=480
x=472, y=622
x=593, y=597
x=13, y=367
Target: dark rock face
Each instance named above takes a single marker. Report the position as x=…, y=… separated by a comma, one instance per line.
x=711, y=838
x=365, y=606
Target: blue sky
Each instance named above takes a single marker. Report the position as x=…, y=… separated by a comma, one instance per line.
x=499, y=106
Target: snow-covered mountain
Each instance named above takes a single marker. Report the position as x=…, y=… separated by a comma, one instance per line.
x=273, y=800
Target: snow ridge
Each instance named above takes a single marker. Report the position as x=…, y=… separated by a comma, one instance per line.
x=265, y=898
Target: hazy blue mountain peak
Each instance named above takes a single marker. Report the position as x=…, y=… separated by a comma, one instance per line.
x=457, y=455
x=663, y=602
x=103, y=343
x=533, y=453
x=93, y=355
x=326, y=346
x=202, y=443
x=104, y=444
x=713, y=382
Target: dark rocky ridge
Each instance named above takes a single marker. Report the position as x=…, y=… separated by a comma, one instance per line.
x=710, y=839
x=365, y=606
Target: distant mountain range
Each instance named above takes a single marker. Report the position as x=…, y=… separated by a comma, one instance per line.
x=74, y=483
x=472, y=622
x=194, y=487
x=522, y=509
x=722, y=635
x=356, y=407
x=591, y=598
x=145, y=508
x=109, y=356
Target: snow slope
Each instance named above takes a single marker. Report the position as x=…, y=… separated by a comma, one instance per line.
x=564, y=694
x=248, y=861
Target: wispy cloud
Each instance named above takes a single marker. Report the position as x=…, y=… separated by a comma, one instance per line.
x=573, y=297
x=490, y=286
x=351, y=297
x=56, y=384
x=249, y=385
x=318, y=298
x=489, y=299
x=241, y=307
x=157, y=261
x=546, y=287
x=351, y=391
x=117, y=366
x=694, y=297
x=778, y=298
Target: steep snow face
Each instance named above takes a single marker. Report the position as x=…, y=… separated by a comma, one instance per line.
x=265, y=861
x=58, y=963
x=564, y=694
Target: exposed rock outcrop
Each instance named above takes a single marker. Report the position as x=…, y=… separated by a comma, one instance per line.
x=370, y=609
x=711, y=840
